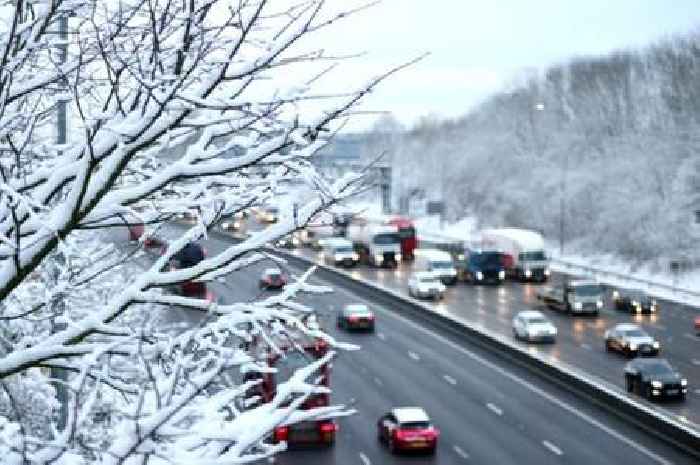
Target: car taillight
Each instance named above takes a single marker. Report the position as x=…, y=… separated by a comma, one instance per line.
x=401, y=434
x=328, y=427
x=353, y=318
x=281, y=433
x=370, y=317
x=431, y=433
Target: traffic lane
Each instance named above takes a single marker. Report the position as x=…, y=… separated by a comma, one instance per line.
x=408, y=387
x=580, y=338
x=490, y=414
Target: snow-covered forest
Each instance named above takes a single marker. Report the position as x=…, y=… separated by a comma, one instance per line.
x=613, y=142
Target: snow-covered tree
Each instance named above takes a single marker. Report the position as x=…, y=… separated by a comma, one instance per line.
x=175, y=107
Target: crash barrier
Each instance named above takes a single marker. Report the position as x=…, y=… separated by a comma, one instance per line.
x=607, y=397
x=573, y=267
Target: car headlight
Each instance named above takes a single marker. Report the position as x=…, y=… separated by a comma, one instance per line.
x=236, y=225
x=224, y=225
x=397, y=257
x=547, y=272
x=578, y=305
x=337, y=257
x=355, y=256
x=657, y=384
x=295, y=241
x=460, y=256
x=502, y=274
x=633, y=346
x=379, y=258
x=656, y=344
x=599, y=304
x=635, y=303
x=528, y=273
x=479, y=275
x=616, y=295
x=684, y=382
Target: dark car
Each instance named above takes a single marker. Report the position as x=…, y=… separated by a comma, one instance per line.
x=634, y=301
x=187, y=257
x=272, y=278
x=356, y=316
x=654, y=378
x=407, y=429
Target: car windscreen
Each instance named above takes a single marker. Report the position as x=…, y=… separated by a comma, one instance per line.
x=415, y=425
x=537, y=255
x=386, y=239
x=487, y=258
x=356, y=309
x=273, y=274
x=658, y=368
x=587, y=290
x=442, y=265
x=634, y=333
x=407, y=232
x=635, y=294
x=536, y=320
x=427, y=280
x=342, y=249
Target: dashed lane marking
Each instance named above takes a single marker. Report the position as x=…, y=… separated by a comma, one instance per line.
x=450, y=379
x=494, y=408
x=586, y=346
x=696, y=361
x=691, y=336
x=414, y=355
x=378, y=381
x=381, y=336
x=552, y=448
x=365, y=459
x=458, y=450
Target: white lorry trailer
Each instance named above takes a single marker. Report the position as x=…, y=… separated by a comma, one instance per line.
x=376, y=245
x=526, y=259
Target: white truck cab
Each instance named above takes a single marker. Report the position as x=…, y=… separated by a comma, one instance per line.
x=437, y=262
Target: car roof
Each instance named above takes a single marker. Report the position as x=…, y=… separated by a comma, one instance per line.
x=531, y=314
x=425, y=274
x=651, y=361
x=272, y=271
x=356, y=307
x=627, y=327
x=338, y=242
x=410, y=414
x=583, y=282
x=433, y=254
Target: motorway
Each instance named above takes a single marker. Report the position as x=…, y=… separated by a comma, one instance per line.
x=580, y=342
x=487, y=411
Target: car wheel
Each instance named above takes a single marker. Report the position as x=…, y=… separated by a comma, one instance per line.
x=392, y=446
x=515, y=334
x=607, y=346
x=431, y=451
x=647, y=392
x=629, y=384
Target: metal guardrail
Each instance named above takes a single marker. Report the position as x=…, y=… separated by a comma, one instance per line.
x=625, y=277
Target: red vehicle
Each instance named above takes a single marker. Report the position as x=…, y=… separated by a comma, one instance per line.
x=191, y=255
x=697, y=325
x=320, y=432
x=407, y=235
x=272, y=278
x=407, y=429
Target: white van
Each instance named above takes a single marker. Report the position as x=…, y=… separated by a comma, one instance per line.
x=339, y=251
x=437, y=262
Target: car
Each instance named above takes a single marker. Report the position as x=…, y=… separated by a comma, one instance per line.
x=634, y=301
x=654, y=378
x=533, y=326
x=272, y=278
x=268, y=214
x=356, y=316
x=407, y=429
x=339, y=251
x=425, y=285
x=290, y=241
x=189, y=256
x=697, y=325
x=631, y=340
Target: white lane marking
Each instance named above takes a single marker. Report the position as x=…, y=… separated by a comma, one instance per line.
x=586, y=346
x=414, y=355
x=365, y=459
x=531, y=387
x=695, y=361
x=381, y=336
x=659, y=327
x=378, y=381
x=494, y=408
x=691, y=336
x=450, y=379
x=554, y=449
x=697, y=391
x=458, y=450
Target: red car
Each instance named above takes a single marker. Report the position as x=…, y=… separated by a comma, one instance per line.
x=272, y=278
x=697, y=325
x=407, y=429
x=356, y=316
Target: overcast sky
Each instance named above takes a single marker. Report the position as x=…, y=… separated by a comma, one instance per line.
x=480, y=46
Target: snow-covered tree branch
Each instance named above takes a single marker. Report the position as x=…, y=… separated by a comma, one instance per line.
x=194, y=107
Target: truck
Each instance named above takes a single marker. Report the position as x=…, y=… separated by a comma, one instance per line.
x=405, y=228
x=375, y=245
x=438, y=263
x=407, y=235
x=574, y=297
x=484, y=266
x=524, y=254
x=453, y=246
x=296, y=352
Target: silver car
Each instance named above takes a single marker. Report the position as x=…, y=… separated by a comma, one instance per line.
x=533, y=326
x=631, y=340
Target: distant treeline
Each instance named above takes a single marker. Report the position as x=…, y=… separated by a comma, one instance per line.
x=616, y=137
